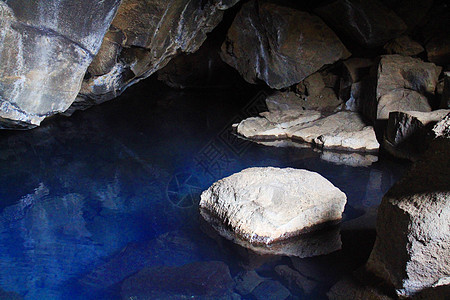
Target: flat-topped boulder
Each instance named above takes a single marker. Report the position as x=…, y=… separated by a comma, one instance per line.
x=344, y=130
x=267, y=205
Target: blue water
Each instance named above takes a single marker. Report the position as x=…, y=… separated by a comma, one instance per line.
x=87, y=201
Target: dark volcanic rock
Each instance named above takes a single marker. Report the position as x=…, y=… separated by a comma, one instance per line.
x=412, y=12
x=279, y=45
x=199, y=280
x=368, y=23
x=412, y=249
x=144, y=37
x=400, y=83
x=438, y=50
x=45, y=50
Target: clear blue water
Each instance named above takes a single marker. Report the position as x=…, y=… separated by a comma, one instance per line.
x=89, y=200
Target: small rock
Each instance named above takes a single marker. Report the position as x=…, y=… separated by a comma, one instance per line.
x=438, y=50
x=205, y=280
x=353, y=71
x=412, y=249
x=247, y=281
x=266, y=205
x=368, y=23
x=265, y=39
x=403, y=45
x=401, y=100
x=314, y=84
x=271, y=289
x=283, y=101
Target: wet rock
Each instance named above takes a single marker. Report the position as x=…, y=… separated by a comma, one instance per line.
x=411, y=251
x=403, y=45
x=400, y=83
x=45, y=50
x=349, y=159
x=368, y=23
x=200, y=280
x=266, y=205
x=264, y=40
x=155, y=31
x=442, y=128
x=271, y=289
x=247, y=281
x=295, y=280
x=408, y=133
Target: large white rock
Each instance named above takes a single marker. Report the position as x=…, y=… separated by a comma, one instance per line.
x=266, y=205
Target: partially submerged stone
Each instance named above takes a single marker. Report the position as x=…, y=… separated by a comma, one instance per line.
x=279, y=45
x=266, y=205
x=412, y=249
x=343, y=130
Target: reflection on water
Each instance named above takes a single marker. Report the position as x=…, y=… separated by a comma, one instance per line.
x=88, y=201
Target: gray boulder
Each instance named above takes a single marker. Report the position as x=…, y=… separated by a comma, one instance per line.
x=45, y=50
x=266, y=205
x=265, y=39
x=412, y=249
x=400, y=83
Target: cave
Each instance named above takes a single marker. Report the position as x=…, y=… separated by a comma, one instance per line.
x=224, y=149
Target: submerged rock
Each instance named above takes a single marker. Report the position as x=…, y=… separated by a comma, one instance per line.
x=271, y=289
x=412, y=249
x=266, y=205
x=409, y=133
x=369, y=23
x=45, y=50
x=199, y=280
x=400, y=83
x=279, y=45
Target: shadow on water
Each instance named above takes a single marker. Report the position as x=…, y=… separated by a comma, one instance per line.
x=90, y=200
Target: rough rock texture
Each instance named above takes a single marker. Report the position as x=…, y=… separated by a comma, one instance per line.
x=271, y=289
x=368, y=23
x=400, y=83
x=265, y=205
x=438, y=50
x=343, y=130
x=45, y=50
x=403, y=45
x=412, y=249
x=199, y=280
x=442, y=128
x=318, y=95
x=279, y=45
x=350, y=288
x=408, y=133
x=353, y=71
x=142, y=39
x=412, y=12
x=445, y=98
x=283, y=101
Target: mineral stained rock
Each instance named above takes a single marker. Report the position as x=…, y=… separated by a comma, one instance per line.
x=144, y=37
x=266, y=205
x=400, y=83
x=279, y=45
x=368, y=23
x=412, y=249
x=45, y=50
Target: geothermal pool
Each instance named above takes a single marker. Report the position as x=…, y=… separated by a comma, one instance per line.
x=89, y=200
